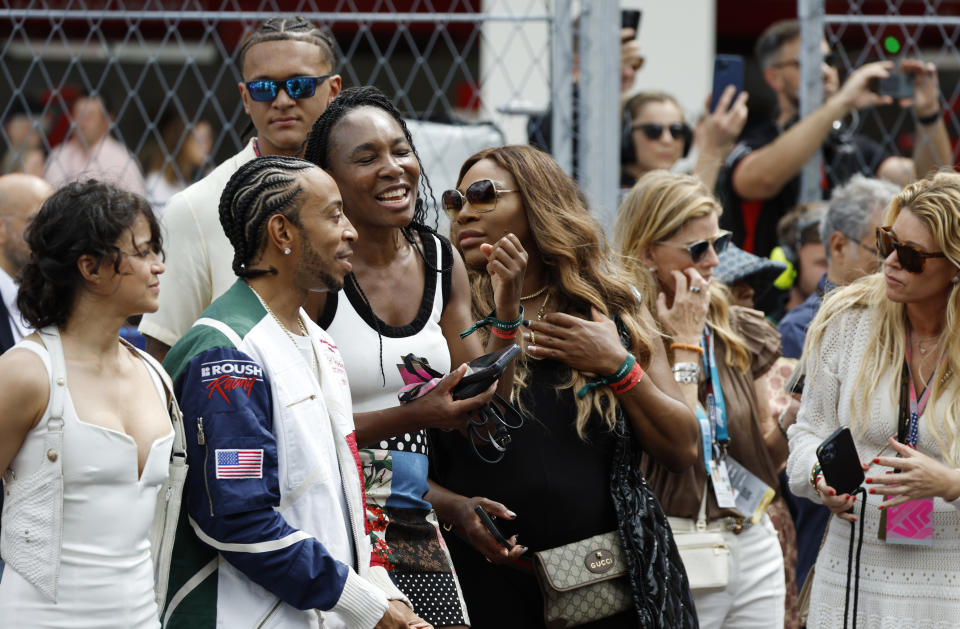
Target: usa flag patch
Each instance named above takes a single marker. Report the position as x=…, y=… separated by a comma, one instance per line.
x=239, y=463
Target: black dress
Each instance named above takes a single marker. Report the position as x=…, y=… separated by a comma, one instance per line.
x=557, y=484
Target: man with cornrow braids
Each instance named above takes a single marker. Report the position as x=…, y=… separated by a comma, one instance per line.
x=288, y=67
x=273, y=533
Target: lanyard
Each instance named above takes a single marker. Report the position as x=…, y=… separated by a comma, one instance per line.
x=910, y=422
x=713, y=422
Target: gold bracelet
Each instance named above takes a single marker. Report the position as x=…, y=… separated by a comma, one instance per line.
x=689, y=348
x=814, y=474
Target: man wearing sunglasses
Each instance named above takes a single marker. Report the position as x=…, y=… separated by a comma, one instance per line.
x=763, y=169
x=287, y=66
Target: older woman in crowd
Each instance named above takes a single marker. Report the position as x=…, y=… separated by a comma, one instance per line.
x=670, y=237
x=882, y=359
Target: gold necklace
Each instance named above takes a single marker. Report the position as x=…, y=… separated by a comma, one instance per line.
x=303, y=328
x=536, y=294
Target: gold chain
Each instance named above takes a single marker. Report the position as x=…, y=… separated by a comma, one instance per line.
x=536, y=294
x=303, y=328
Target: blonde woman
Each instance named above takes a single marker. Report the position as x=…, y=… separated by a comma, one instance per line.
x=670, y=238
x=876, y=352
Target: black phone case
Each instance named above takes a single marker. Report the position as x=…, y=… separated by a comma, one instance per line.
x=480, y=380
x=490, y=526
x=840, y=462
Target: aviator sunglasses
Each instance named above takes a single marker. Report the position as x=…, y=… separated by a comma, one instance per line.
x=654, y=131
x=699, y=249
x=482, y=196
x=911, y=259
x=265, y=90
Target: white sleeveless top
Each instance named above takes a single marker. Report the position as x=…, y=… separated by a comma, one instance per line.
x=106, y=574
x=354, y=328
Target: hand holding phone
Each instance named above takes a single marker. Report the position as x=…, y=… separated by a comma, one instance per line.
x=840, y=462
x=487, y=522
x=727, y=70
x=484, y=371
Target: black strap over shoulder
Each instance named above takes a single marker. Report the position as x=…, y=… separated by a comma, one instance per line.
x=446, y=269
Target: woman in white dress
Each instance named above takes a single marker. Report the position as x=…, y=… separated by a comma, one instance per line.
x=883, y=358
x=85, y=438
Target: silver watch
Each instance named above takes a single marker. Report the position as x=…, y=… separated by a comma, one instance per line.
x=686, y=373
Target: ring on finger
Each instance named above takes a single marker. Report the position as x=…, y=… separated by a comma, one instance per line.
x=695, y=289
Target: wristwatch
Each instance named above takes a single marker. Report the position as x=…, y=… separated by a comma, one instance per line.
x=686, y=373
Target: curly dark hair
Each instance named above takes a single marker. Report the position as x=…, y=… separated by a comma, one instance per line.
x=81, y=218
x=259, y=189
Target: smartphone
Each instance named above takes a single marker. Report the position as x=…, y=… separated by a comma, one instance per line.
x=490, y=526
x=727, y=70
x=482, y=371
x=898, y=85
x=840, y=462
x=630, y=18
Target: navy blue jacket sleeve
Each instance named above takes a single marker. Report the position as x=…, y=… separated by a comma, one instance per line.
x=233, y=485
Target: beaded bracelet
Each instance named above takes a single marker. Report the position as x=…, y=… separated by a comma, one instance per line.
x=491, y=320
x=690, y=348
x=619, y=375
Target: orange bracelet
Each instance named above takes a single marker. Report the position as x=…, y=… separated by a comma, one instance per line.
x=504, y=334
x=691, y=348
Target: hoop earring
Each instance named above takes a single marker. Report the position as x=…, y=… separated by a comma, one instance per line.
x=286, y=251
x=956, y=278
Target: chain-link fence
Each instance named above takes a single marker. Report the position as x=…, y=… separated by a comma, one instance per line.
x=892, y=30
x=167, y=71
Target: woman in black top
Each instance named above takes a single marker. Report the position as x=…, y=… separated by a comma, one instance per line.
x=571, y=471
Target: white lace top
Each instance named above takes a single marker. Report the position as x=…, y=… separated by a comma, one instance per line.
x=900, y=586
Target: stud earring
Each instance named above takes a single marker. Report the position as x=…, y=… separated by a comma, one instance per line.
x=286, y=251
x=956, y=278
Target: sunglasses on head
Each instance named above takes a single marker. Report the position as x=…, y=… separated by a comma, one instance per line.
x=699, y=249
x=654, y=131
x=265, y=90
x=911, y=259
x=482, y=196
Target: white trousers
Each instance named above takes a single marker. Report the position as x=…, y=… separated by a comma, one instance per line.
x=754, y=596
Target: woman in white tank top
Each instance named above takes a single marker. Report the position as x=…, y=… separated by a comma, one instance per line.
x=408, y=293
x=85, y=437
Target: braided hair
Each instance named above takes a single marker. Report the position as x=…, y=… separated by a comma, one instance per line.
x=296, y=28
x=259, y=189
x=350, y=99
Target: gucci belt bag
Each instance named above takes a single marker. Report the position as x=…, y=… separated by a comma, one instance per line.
x=583, y=581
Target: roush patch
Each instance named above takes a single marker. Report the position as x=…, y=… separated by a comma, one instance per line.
x=224, y=376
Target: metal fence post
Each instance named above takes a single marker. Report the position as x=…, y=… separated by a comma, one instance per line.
x=599, y=129
x=810, y=14
x=561, y=84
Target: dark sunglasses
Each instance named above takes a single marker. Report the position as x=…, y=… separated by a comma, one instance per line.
x=830, y=59
x=482, y=196
x=911, y=259
x=654, y=131
x=699, y=249
x=265, y=90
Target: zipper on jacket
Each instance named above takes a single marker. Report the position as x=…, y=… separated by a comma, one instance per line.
x=202, y=441
x=309, y=397
x=269, y=615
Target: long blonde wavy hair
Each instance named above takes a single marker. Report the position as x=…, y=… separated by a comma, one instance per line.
x=656, y=208
x=936, y=202
x=578, y=266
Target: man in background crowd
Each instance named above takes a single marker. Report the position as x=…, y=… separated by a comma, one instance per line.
x=90, y=152
x=763, y=169
x=288, y=80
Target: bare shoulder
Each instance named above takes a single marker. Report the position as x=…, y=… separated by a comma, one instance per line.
x=24, y=387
